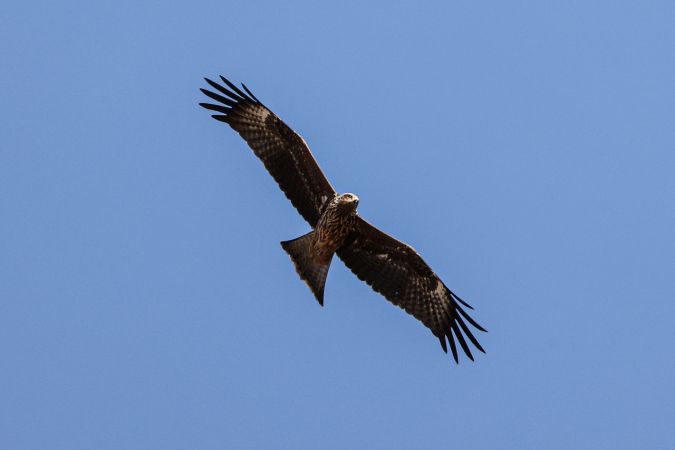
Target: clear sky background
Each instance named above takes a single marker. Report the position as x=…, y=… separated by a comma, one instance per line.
x=526, y=149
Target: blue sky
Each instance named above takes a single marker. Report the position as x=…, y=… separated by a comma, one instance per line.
x=525, y=149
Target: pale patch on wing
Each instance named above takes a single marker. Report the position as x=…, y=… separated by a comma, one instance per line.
x=440, y=289
x=261, y=112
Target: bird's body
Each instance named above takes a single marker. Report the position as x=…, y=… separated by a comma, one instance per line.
x=389, y=266
x=337, y=222
x=313, y=252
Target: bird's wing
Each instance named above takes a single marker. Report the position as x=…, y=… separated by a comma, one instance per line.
x=284, y=153
x=396, y=271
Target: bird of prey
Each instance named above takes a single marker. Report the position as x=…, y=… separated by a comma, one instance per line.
x=390, y=267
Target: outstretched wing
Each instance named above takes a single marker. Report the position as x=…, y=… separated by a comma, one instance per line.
x=284, y=153
x=396, y=271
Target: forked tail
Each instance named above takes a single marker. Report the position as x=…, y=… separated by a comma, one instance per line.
x=311, y=271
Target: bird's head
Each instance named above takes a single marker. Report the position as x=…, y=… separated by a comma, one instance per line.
x=348, y=201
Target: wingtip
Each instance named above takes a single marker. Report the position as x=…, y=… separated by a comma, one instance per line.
x=453, y=347
x=468, y=333
x=236, y=90
x=444, y=346
x=478, y=327
x=248, y=91
x=462, y=341
x=469, y=319
x=220, y=118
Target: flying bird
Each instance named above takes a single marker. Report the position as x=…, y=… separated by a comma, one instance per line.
x=389, y=266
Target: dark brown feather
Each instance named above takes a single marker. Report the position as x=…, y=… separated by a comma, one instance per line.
x=398, y=272
x=284, y=153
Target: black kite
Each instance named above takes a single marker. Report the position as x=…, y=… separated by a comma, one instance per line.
x=389, y=266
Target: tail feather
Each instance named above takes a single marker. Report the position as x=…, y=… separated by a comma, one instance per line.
x=312, y=272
